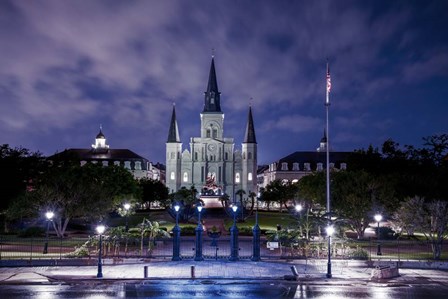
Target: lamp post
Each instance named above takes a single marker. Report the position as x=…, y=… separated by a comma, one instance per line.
x=100, y=230
x=49, y=215
x=256, y=239
x=234, y=237
x=199, y=230
x=126, y=206
x=176, y=233
x=378, y=219
x=298, y=209
x=330, y=231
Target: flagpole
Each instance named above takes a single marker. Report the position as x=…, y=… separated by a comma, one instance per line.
x=327, y=108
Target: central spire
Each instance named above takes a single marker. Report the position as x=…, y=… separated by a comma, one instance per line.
x=212, y=95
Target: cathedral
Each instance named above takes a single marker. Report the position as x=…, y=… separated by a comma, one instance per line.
x=212, y=164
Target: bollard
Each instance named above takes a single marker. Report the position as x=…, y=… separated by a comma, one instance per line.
x=145, y=271
x=294, y=271
x=193, y=276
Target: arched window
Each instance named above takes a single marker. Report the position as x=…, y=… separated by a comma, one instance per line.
x=215, y=133
x=227, y=156
x=196, y=156
x=185, y=176
x=249, y=176
x=237, y=177
x=208, y=133
x=172, y=176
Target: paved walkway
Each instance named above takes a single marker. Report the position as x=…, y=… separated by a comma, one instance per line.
x=344, y=272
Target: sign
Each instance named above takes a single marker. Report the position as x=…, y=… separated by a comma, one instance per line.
x=272, y=245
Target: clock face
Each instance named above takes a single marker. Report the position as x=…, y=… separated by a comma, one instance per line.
x=211, y=147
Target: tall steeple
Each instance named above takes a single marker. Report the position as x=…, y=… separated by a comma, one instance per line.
x=212, y=95
x=249, y=137
x=173, y=134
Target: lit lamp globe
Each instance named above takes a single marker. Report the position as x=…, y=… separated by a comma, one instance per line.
x=100, y=229
x=330, y=230
x=234, y=208
x=49, y=215
x=378, y=217
x=127, y=206
x=298, y=208
x=176, y=208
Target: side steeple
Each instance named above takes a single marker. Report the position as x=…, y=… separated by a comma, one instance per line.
x=173, y=134
x=212, y=95
x=249, y=137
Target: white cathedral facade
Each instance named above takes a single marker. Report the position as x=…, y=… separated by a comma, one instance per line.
x=212, y=164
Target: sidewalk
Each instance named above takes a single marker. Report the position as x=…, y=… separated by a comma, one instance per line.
x=310, y=272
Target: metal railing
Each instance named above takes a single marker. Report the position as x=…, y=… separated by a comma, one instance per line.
x=15, y=248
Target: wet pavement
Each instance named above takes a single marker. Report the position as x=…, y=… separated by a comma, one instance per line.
x=308, y=270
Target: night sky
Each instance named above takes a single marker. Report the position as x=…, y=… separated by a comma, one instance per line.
x=68, y=66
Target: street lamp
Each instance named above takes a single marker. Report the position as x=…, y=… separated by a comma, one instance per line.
x=126, y=206
x=176, y=232
x=378, y=219
x=100, y=230
x=234, y=237
x=49, y=215
x=330, y=231
x=199, y=230
x=256, y=239
x=298, y=209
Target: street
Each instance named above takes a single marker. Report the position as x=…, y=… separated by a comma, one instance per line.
x=220, y=289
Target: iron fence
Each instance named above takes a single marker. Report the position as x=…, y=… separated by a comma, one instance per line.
x=12, y=247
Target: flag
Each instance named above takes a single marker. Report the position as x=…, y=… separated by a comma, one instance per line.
x=328, y=84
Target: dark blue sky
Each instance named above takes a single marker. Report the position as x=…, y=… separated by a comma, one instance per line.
x=68, y=66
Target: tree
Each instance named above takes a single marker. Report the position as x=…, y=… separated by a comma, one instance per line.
x=428, y=217
x=186, y=198
x=74, y=191
x=280, y=192
x=19, y=168
x=153, y=191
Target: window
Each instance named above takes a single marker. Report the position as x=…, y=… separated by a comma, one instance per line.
x=244, y=156
x=172, y=176
x=83, y=163
x=215, y=133
x=117, y=163
x=307, y=167
x=331, y=165
x=227, y=156
x=295, y=166
x=138, y=165
x=208, y=133
x=105, y=163
x=127, y=164
x=319, y=167
x=249, y=176
x=284, y=166
x=185, y=176
x=173, y=155
x=343, y=166
x=237, y=177
x=196, y=156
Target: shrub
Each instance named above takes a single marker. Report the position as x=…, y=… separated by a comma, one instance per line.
x=80, y=251
x=33, y=231
x=188, y=230
x=359, y=254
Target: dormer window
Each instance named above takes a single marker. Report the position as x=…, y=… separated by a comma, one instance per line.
x=284, y=166
x=343, y=166
x=319, y=167
x=307, y=167
x=295, y=166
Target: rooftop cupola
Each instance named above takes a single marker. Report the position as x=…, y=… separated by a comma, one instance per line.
x=100, y=141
